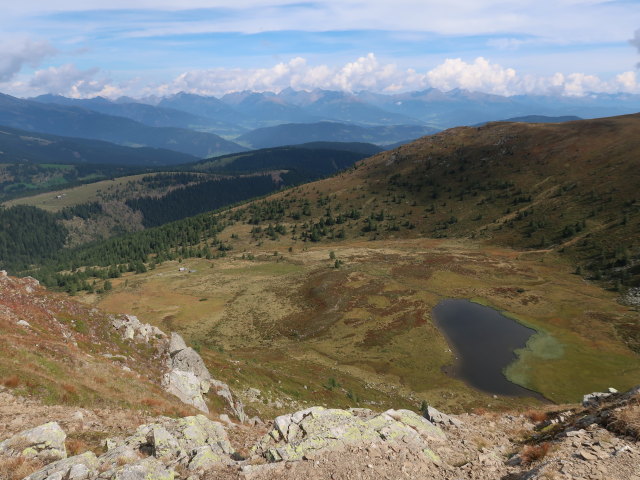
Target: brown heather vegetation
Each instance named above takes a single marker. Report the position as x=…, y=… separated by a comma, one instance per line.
x=16, y=468
x=626, y=421
x=10, y=382
x=533, y=453
x=536, y=416
x=60, y=363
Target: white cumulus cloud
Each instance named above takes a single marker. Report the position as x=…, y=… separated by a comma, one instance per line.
x=15, y=54
x=70, y=81
x=481, y=76
x=364, y=73
x=368, y=73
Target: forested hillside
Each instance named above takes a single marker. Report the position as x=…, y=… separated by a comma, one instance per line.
x=569, y=188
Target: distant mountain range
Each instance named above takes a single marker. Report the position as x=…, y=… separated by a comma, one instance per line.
x=297, y=133
x=206, y=126
x=236, y=113
x=20, y=146
x=82, y=123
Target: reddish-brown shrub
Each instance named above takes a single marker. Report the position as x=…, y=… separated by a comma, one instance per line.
x=536, y=416
x=75, y=446
x=150, y=402
x=531, y=453
x=11, y=382
x=71, y=389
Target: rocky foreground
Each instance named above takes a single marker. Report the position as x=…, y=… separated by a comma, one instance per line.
x=596, y=441
x=58, y=441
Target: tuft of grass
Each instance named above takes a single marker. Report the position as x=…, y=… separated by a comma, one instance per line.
x=626, y=420
x=533, y=453
x=70, y=389
x=75, y=446
x=17, y=468
x=536, y=416
x=11, y=382
x=151, y=402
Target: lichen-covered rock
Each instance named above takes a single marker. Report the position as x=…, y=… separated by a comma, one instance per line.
x=187, y=441
x=45, y=442
x=79, y=467
x=310, y=432
x=424, y=427
x=437, y=417
x=187, y=387
x=164, y=444
x=147, y=469
x=130, y=328
x=204, y=458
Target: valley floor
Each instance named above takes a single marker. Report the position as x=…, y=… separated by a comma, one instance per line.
x=286, y=328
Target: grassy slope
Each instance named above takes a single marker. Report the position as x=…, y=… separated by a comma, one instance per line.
x=367, y=323
x=74, y=196
x=71, y=355
x=291, y=322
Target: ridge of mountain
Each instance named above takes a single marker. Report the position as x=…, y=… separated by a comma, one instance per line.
x=151, y=115
x=19, y=146
x=77, y=122
x=297, y=133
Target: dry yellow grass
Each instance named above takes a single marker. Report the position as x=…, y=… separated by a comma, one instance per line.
x=368, y=324
x=17, y=468
x=626, y=420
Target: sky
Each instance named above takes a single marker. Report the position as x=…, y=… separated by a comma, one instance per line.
x=140, y=48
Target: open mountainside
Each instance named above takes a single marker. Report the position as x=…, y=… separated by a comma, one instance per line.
x=86, y=395
x=568, y=187
x=344, y=273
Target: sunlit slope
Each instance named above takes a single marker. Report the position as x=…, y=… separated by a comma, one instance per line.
x=570, y=187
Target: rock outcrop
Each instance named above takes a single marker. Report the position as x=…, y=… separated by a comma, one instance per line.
x=320, y=443
x=194, y=443
x=45, y=442
x=130, y=328
x=439, y=418
x=309, y=433
x=188, y=378
x=79, y=467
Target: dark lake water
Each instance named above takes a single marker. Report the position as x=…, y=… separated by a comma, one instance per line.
x=483, y=341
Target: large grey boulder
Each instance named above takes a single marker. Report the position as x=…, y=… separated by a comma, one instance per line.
x=45, y=442
x=189, y=379
x=188, y=360
x=187, y=387
x=308, y=433
x=439, y=418
x=79, y=467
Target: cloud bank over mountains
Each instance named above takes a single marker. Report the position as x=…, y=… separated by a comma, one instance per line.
x=83, y=48
x=364, y=73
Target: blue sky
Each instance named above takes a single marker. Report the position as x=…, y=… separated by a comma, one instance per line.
x=143, y=47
